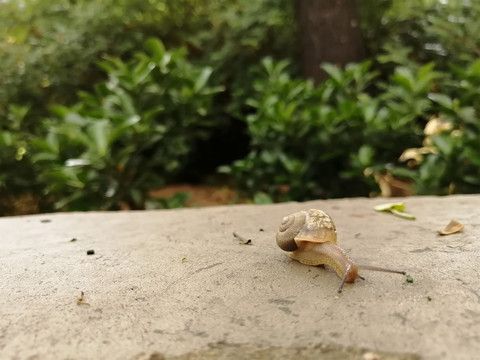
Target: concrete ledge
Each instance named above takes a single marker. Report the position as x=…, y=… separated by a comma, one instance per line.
x=175, y=284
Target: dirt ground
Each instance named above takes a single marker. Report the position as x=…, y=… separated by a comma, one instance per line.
x=200, y=195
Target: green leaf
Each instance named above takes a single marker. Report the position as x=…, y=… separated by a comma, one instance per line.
x=142, y=71
x=425, y=72
x=48, y=145
x=225, y=169
x=149, y=115
x=292, y=165
x=99, y=132
x=59, y=110
x=122, y=129
x=77, y=162
x=178, y=200
x=366, y=154
x=402, y=214
x=369, y=112
x=403, y=172
x=334, y=72
x=468, y=114
x=389, y=206
x=442, y=99
x=474, y=69
x=17, y=114
x=424, y=78
x=65, y=176
x=472, y=154
x=44, y=156
x=262, y=198
x=403, y=76
x=53, y=142
x=74, y=118
x=6, y=138
x=472, y=179
x=444, y=143
x=394, y=208
x=202, y=79
x=156, y=47
x=432, y=169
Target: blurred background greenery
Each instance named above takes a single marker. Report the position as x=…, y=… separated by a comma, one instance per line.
x=102, y=102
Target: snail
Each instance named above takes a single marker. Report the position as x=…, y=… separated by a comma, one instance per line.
x=310, y=237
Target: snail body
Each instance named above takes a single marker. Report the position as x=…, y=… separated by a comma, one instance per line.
x=310, y=237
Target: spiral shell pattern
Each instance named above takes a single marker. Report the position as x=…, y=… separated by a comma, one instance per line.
x=289, y=228
x=311, y=225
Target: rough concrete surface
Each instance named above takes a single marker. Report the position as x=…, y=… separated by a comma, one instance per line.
x=175, y=284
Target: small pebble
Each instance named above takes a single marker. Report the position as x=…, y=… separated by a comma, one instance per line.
x=45, y=220
x=73, y=239
x=90, y=252
x=371, y=356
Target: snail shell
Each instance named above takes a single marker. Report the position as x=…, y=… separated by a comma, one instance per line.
x=313, y=225
x=310, y=237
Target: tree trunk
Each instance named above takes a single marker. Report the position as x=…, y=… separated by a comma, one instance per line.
x=330, y=32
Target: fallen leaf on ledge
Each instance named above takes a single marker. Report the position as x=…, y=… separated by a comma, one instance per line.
x=395, y=209
x=452, y=228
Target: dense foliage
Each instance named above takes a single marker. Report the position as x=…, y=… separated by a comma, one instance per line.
x=93, y=114
x=130, y=135
x=345, y=147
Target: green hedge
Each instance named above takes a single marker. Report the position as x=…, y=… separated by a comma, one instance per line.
x=130, y=135
x=80, y=136
x=330, y=141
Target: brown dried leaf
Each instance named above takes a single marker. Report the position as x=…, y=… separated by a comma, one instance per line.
x=452, y=228
x=436, y=125
x=391, y=186
x=81, y=298
x=416, y=153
